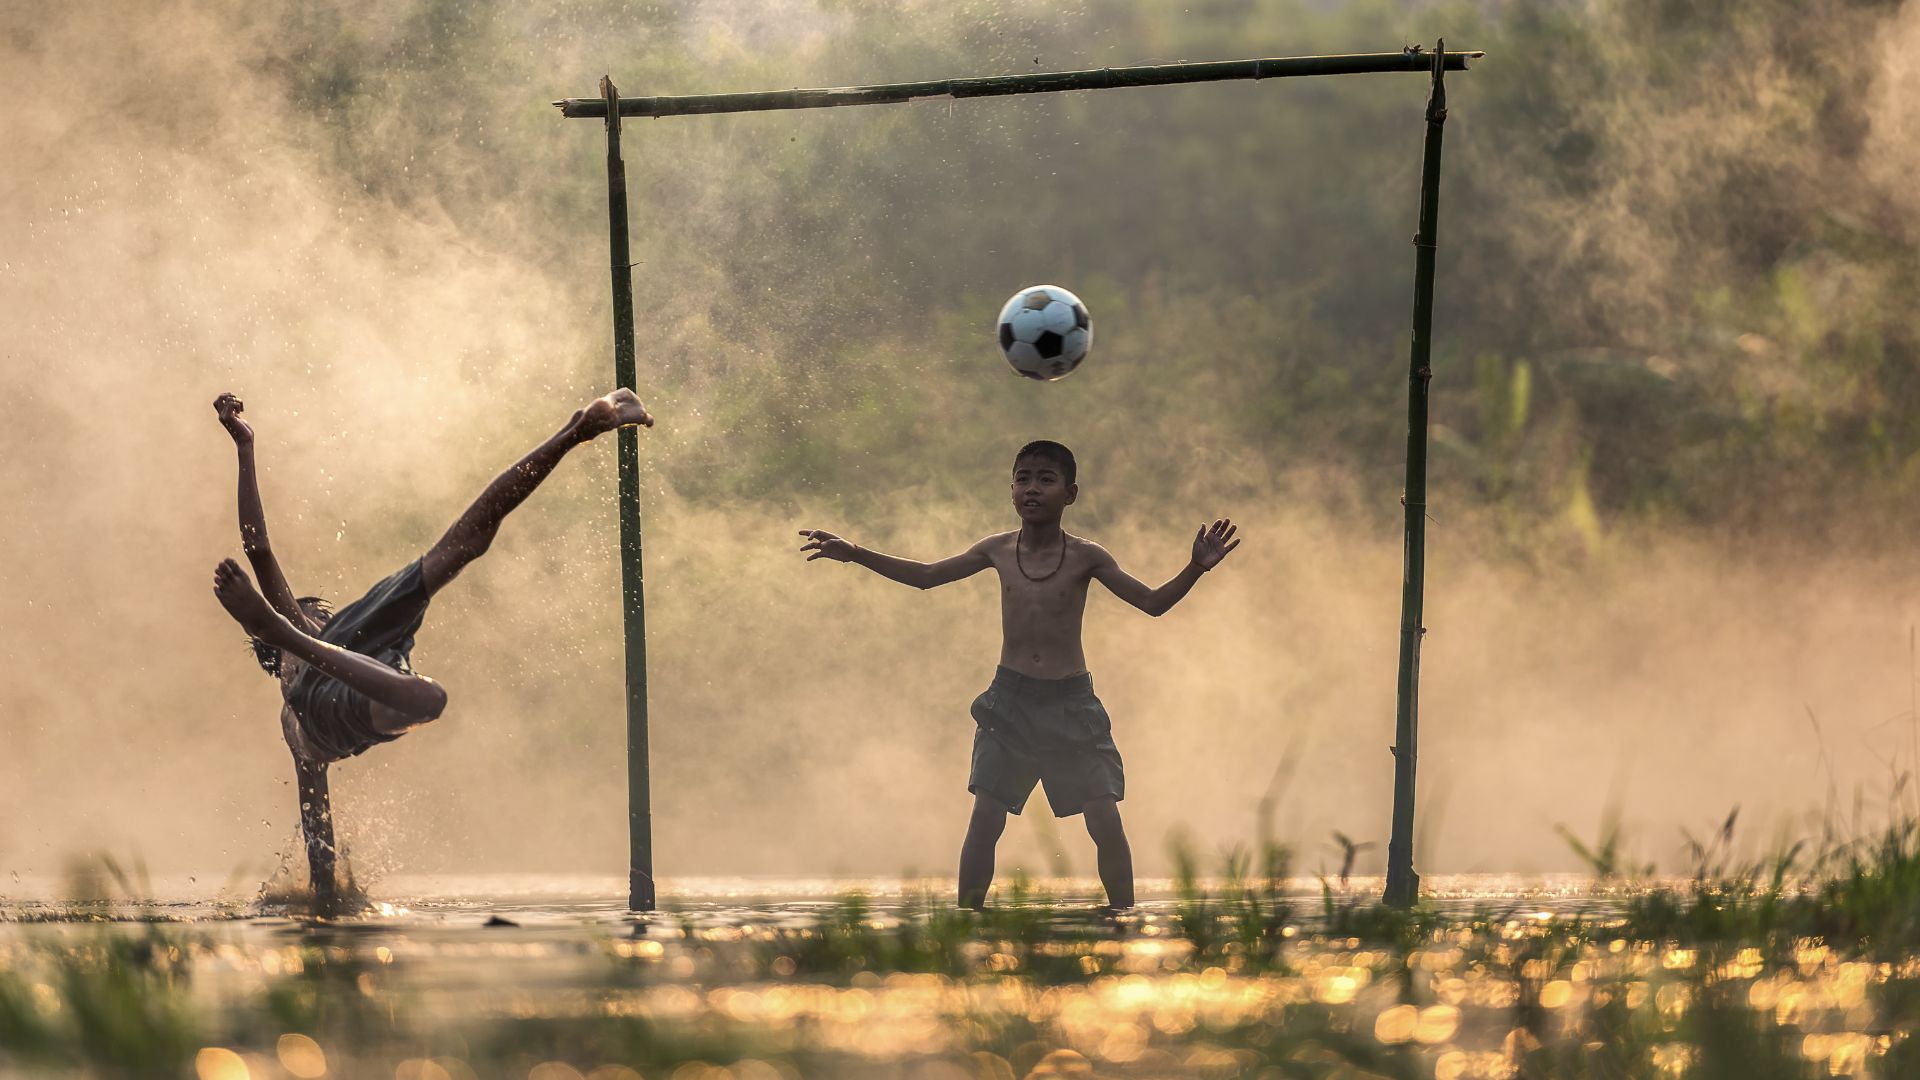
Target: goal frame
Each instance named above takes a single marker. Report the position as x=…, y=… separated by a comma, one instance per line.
x=1402, y=882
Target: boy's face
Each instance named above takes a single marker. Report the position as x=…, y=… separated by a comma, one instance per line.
x=1040, y=492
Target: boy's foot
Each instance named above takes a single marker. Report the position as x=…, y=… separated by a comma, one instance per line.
x=235, y=591
x=619, y=409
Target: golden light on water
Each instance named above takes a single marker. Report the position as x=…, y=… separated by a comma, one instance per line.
x=219, y=1063
x=1436, y=1025
x=1674, y=1059
x=1396, y=1025
x=301, y=1056
x=423, y=1069
x=1459, y=1002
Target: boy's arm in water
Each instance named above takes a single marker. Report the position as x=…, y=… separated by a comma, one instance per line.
x=253, y=518
x=316, y=825
x=1210, y=545
x=920, y=575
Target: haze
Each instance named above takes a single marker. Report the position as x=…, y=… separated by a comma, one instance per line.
x=1670, y=561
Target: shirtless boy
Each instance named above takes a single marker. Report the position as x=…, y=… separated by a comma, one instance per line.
x=1039, y=721
x=346, y=678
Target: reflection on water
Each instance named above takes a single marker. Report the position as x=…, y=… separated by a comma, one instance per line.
x=549, y=979
x=582, y=898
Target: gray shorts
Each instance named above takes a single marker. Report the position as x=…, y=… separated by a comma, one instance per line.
x=337, y=719
x=1048, y=731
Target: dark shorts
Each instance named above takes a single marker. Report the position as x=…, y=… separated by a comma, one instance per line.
x=1050, y=731
x=337, y=719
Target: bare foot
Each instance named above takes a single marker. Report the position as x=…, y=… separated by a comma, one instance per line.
x=235, y=591
x=618, y=409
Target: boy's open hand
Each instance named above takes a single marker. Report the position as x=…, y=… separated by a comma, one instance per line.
x=228, y=408
x=1210, y=544
x=825, y=545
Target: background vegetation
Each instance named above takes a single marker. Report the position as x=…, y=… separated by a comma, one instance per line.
x=1677, y=250
x=1674, y=414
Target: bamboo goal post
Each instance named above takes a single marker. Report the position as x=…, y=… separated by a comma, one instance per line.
x=1403, y=883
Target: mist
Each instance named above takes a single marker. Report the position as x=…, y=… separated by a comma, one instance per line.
x=1673, y=421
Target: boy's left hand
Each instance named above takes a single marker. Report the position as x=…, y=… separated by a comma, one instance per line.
x=1210, y=544
x=228, y=408
x=825, y=545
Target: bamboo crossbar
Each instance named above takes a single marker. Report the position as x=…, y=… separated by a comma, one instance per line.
x=1403, y=883
x=1413, y=59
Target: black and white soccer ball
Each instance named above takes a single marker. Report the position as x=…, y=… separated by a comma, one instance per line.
x=1045, y=332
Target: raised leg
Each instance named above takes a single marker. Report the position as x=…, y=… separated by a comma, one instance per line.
x=1114, y=853
x=989, y=820
x=473, y=533
x=414, y=696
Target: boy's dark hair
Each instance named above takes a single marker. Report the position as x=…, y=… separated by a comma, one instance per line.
x=268, y=656
x=1047, y=448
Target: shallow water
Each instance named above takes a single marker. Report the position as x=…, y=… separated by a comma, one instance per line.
x=420, y=901
x=550, y=978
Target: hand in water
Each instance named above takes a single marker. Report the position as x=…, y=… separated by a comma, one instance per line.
x=229, y=407
x=825, y=545
x=1210, y=544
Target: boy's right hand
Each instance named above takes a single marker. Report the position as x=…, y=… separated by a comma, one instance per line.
x=825, y=545
x=228, y=408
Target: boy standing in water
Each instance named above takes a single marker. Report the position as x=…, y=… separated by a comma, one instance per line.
x=346, y=678
x=1039, y=722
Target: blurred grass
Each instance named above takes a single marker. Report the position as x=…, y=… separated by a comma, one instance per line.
x=1797, y=964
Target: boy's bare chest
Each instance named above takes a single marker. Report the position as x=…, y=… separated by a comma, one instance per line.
x=1058, y=589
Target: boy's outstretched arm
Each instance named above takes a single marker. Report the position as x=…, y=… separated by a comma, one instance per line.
x=920, y=575
x=253, y=518
x=1210, y=545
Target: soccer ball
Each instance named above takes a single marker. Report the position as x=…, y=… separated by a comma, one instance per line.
x=1045, y=332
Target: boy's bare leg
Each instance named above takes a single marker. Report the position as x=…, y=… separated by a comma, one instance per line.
x=316, y=825
x=415, y=696
x=1115, y=855
x=473, y=533
x=989, y=820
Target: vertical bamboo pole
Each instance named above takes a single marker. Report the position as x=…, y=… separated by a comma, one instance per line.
x=1403, y=884
x=640, y=896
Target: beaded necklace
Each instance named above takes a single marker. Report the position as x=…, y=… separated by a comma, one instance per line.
x=1017, y=561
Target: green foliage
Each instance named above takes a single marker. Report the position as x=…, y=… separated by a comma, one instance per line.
x=1669, y=279
x=1859, y=895
x=1605, y=857
x=115, y=1000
